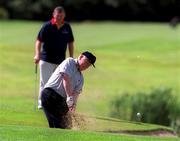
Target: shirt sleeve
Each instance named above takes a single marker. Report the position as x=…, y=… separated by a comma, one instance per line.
x=41, y=34
x=67, y=66
x=71, y=37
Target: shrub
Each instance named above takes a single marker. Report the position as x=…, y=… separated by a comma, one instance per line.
x=176, y=126
x=3, y=13
x=158, y=107
x=120, y=107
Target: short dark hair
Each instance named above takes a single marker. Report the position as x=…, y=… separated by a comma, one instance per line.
x=59, y=9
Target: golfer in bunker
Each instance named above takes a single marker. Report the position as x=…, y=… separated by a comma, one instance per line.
x=60, y=94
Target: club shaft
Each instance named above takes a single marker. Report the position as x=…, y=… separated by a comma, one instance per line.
x=35, y=87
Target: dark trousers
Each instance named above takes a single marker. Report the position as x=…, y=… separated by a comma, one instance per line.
x=55, y=109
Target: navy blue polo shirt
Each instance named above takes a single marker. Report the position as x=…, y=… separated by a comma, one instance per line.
x=54, y=41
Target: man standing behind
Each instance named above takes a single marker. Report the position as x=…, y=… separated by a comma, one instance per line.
x=54, y=37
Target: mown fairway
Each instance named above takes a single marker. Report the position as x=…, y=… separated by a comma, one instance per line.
x=16, y=133
x=131, y=57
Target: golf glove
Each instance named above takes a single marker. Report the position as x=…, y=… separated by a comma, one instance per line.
x=70, y=101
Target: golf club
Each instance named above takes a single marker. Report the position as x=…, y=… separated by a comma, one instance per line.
x=35, y=87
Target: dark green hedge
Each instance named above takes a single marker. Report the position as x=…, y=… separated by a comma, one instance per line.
x=159, y=106
x=145, y=10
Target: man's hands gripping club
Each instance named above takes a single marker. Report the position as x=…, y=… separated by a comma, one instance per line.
x=70, y=101
x=71, y=104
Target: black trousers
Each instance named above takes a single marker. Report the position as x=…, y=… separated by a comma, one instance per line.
x=55, y=109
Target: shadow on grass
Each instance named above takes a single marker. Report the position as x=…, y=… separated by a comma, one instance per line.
x=154, y=132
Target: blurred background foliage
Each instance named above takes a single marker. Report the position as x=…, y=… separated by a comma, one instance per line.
x=78, y=10
x=159, y=106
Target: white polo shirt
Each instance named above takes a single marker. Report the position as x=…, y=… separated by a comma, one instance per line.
x=69, y=67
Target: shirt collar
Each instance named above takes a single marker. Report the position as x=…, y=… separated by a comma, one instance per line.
x=53, y=22
x=77, y=64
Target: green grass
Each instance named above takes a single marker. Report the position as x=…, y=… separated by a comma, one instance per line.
x=16, y=133
x=131, y=57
